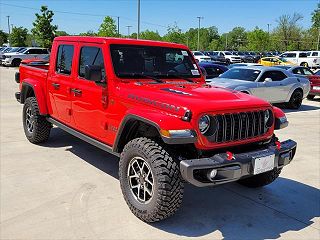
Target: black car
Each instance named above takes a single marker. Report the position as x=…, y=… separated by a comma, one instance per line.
x=246, y=57
x=215, y=57
x=212, y=70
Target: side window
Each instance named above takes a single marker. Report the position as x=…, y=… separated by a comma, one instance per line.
x=315, y=54
x=91, y=56
x=64, y=59
x=274, y=75
x=302, y=55
x=291, y=55
x=297, y=71
x=306, y=71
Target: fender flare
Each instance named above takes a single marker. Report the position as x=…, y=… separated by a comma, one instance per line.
x=151, y=121
x=38, y=92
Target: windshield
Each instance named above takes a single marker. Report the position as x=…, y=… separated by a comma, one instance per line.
x=241, y=74
x=135, y=61
x=198, y=53
x=227, y=53
x=283, y=60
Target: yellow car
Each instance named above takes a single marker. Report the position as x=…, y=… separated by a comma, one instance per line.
x=274, y=61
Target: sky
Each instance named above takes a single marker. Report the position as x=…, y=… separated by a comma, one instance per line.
x=82, y=15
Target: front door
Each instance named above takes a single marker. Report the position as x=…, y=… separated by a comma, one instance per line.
x=89, y=99
x=59, y=83
x=272, y=90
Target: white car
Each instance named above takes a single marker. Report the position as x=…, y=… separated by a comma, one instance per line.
x=302, y=59
x=15, y=58
x=231, y=58
x=200, y=57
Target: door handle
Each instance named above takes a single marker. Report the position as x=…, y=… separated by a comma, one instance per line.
x=56, y=85
x=76, y=91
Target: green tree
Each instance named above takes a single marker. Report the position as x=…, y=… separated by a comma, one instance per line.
x=3, y=37
x=206, y=36
x=108, y=28
x=316, y=17
x=88, y=33
x=258, y=40
x=174, y=34
x=43, y=30
x=237, y=38
x=18, y=37
x=61, y=33
x=288, y=33
x=150, y=35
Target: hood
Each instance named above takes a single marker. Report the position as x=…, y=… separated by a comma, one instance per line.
x=229, y=83
x=179, y=97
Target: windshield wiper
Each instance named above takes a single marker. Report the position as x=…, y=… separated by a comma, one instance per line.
x=180, y=77
x=141, y=75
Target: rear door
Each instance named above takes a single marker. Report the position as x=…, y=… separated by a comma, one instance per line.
x=59, y=82
x=89, y=99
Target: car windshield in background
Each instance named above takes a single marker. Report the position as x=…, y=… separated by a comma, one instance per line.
x=241, y=74
x=227, y=53
x=283, y=60
x=135, y=61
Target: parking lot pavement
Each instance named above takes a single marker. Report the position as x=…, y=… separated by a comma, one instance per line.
x=68, y=189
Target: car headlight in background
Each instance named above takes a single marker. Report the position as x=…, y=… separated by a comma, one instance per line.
x=268, y=118
x=204, y=124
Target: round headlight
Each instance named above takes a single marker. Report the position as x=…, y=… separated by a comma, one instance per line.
x=204, y=124
x=268, y=118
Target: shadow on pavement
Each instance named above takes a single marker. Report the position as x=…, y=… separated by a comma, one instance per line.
x=304, y=107
x=235, y=211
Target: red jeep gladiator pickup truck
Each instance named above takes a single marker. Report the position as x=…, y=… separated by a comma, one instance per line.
x=147, y=102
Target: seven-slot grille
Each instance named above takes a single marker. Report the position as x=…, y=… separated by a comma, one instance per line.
x=238, y=126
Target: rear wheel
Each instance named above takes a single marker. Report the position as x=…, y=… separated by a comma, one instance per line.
x=295, y=100
x=150, y=180
x=261, y=180
x=36, y=127
x=310, y=97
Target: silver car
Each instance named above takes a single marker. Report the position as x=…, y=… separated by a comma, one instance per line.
x=270, y=83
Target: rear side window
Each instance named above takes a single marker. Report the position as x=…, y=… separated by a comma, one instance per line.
x=274, y=75
x=91, y=56
x=302, y=55
x=291, y=55
x=315, y=54
x=64, y=59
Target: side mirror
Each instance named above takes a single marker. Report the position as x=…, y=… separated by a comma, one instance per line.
x=94, y=73
x=268, y=80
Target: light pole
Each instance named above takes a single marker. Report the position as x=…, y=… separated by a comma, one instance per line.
x=198, y=46
x=118, y=26
x=8, y=29
x=138, y=33
x=128, y=30
x=268, y=35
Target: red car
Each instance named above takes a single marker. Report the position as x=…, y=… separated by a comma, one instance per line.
x=147, y=102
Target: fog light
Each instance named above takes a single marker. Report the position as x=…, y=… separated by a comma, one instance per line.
x=212, y=174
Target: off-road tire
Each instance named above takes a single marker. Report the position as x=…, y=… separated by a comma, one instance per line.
x=41, y=127
x=310, y=97
x=261, y=180
x=295, y=100
x=168, y=184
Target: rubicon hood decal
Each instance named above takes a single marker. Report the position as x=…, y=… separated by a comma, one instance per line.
x=155, y=103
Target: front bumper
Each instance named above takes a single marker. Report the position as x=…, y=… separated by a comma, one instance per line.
x=241, y=165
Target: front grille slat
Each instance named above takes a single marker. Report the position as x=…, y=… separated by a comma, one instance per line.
x=239, y=126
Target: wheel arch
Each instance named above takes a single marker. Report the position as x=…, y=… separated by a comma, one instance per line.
x=130, y=128
x=34, y=90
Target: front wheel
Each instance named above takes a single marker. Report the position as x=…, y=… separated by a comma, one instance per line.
x=36, y=127
x=150, y=180
x=261, y=179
